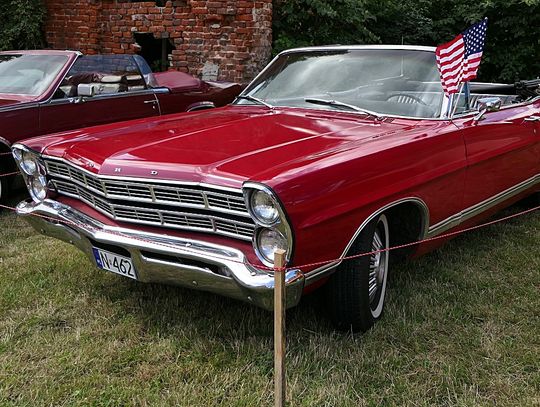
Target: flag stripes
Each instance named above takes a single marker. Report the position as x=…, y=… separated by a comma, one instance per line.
x=459, y=59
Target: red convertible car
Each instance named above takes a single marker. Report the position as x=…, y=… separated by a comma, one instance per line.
x=43, y=92
x=329, y=152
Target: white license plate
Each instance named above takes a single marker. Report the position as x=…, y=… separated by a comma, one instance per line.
x=112, y=262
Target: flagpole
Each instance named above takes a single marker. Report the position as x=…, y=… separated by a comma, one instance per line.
x=449, y=107
x=458, y=93
x=467, y=90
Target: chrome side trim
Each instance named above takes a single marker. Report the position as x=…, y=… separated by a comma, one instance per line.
x=321, y=271
x=471, y=212
x=437, y=229
x=428, y=231
x=96, y=98
x=21, y=106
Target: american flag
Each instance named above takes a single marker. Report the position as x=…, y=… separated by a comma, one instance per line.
x=458, y=60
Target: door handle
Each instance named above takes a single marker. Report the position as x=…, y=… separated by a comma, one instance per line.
x=153, y=102
x=532, y=119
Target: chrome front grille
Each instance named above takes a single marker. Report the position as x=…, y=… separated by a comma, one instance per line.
x=229, y=202
x=186, y=207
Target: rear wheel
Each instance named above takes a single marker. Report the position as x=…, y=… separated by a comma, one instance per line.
x=356, y=291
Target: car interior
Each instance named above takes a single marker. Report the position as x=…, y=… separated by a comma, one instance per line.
x=412, y=98
x=99, y=83
x=101, y=75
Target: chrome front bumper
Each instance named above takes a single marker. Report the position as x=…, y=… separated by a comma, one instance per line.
x=160, y=258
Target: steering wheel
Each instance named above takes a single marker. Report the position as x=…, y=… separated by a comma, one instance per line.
x=406, y=98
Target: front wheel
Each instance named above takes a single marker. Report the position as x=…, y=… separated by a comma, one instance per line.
x=3, y=188
x=356, y=291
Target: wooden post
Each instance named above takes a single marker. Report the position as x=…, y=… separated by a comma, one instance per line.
x=279, y=328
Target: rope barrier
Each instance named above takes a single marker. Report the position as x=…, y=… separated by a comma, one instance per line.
x=9, y=174
x=314, y=264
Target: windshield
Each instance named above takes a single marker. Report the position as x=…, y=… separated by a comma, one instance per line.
x=29, y=74
x=389, y=82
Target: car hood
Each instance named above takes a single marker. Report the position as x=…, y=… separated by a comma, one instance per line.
x=221, y=146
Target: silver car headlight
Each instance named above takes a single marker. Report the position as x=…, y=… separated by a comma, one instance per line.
x=268, y=241
x=273, y=231
x=33, y=170
x=38, y=188
x=264, y=207
x=29, y=164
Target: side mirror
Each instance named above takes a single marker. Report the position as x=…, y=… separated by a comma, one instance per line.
x=492, y=104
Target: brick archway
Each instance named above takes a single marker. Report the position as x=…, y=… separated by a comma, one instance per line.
x=216, y=39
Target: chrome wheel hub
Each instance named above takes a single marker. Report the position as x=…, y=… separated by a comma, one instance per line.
x=377, y=266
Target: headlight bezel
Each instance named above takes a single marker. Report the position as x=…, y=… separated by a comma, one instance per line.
x=30, y=174
x=256, y=214
x=281, y=224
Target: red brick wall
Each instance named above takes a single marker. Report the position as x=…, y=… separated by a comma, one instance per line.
x=230, y=36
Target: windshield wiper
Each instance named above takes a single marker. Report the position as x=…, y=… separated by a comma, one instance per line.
x=256, y=100
x=337, y=103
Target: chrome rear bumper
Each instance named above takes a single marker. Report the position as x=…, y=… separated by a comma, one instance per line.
x=165, y=259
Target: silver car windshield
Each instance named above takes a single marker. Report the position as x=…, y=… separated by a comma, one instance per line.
x=395, y=82
x=30, y=75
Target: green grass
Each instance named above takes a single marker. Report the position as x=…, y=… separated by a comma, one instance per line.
x=461, y=328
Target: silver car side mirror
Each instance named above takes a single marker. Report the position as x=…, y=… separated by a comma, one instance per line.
x=491, y=104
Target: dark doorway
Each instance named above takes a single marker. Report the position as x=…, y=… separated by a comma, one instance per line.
x=155, y=51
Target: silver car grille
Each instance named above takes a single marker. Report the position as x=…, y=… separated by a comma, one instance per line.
x=187, y=207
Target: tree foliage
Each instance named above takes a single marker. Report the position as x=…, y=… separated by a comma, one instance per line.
x=21, y=24
x=512, y=46
x=300, y=23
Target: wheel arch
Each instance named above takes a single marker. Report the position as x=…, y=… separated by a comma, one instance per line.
x=408, y=230
x=392, y=210
x=8, y=164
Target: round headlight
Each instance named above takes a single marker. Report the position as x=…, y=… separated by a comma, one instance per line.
x=38, y=188
x=264, y=207
x=268, y=241
x=29, y=163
